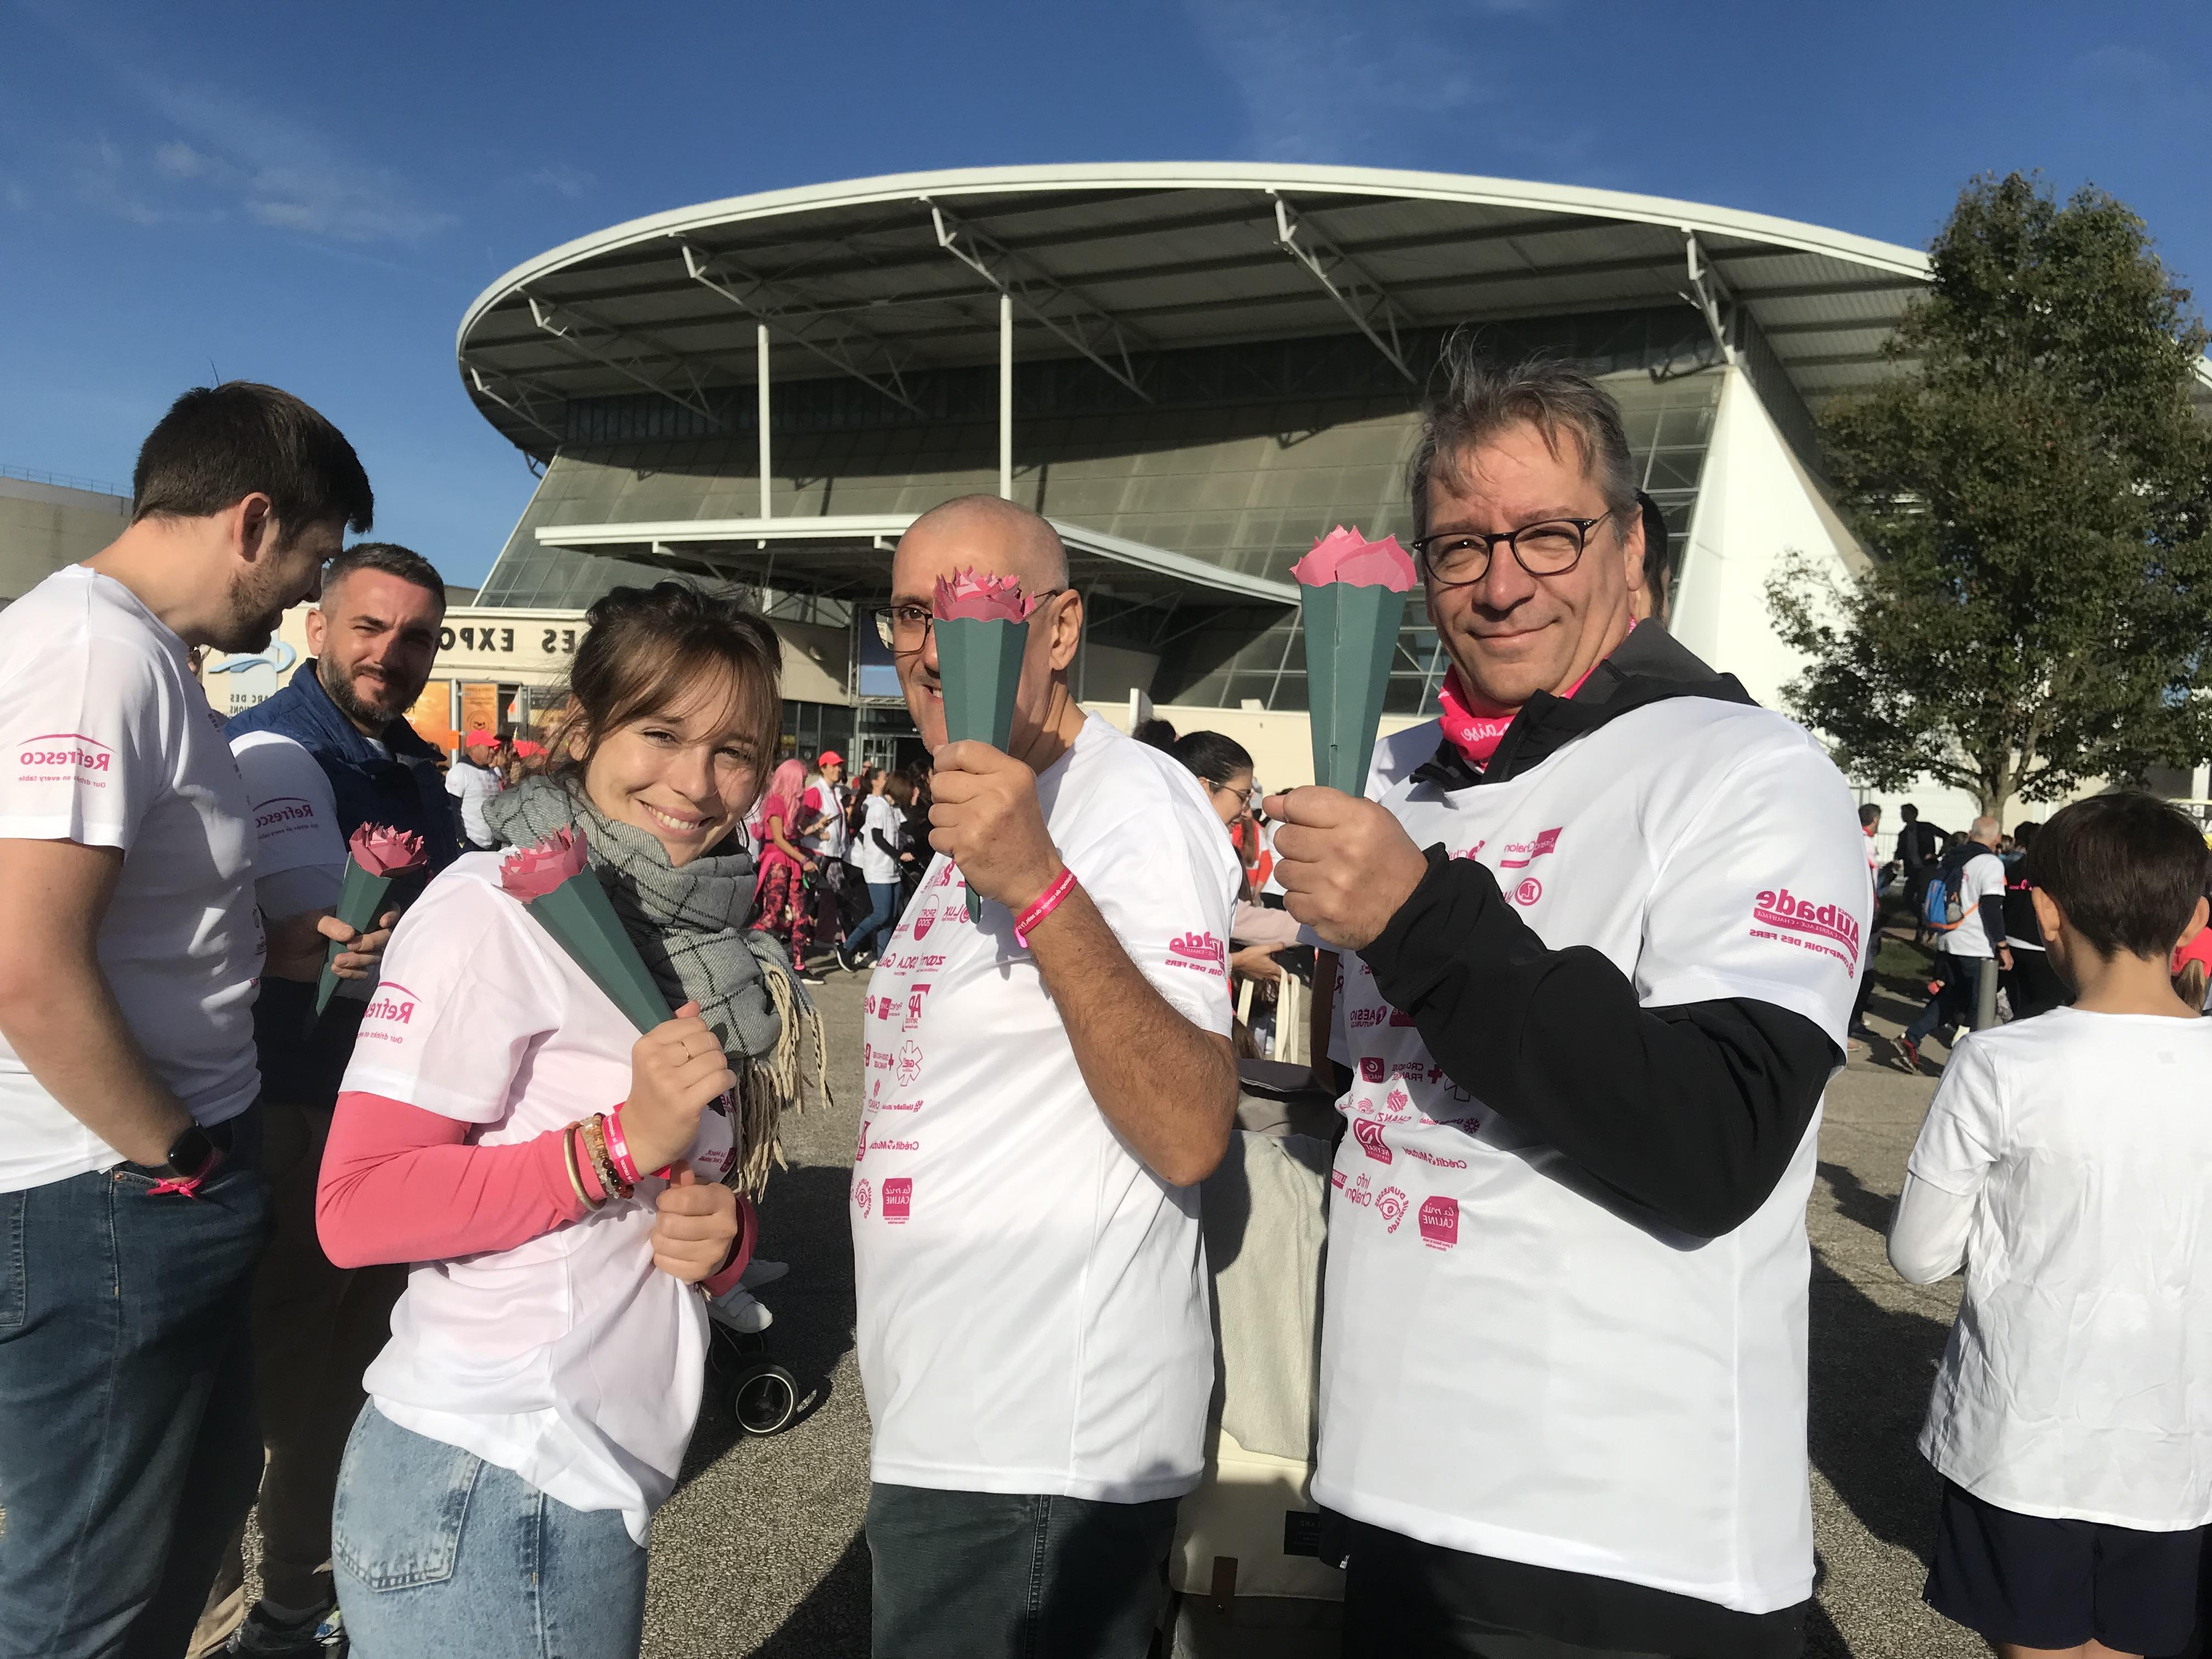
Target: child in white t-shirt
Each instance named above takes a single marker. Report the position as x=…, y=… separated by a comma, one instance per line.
x=2062, y=1163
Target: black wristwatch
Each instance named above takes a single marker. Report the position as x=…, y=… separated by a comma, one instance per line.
x=191, y=1154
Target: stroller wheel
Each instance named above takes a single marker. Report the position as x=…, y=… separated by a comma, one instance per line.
x=764, y=1397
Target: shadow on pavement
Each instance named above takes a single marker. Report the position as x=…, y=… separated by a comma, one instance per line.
x=1858, y=1201
x=803, y=1222
x=1872, y=1369
x=832, y=1622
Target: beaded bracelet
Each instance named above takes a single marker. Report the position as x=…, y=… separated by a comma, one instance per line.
x=575, y=1176
x=595, y=1143
x=1046, y=903
x=618, y=1148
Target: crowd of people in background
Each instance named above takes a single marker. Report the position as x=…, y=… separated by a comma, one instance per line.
x=410, y=1234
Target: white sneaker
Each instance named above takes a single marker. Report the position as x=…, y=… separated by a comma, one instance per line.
x=739, y=1310
x=760, y=1271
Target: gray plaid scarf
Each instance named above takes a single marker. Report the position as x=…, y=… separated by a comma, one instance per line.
x=688, y=925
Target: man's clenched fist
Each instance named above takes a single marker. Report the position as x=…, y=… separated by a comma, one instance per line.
x=984, y=815
x=1344, y=863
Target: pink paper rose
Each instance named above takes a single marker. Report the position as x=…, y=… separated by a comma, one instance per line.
x=386, y=852
x=531, y=872
x=1345, y=556
x=983, y=598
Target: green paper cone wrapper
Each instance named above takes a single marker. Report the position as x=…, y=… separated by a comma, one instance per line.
x=979, y=664
x=1352, y=634
x=376, y=856
x=554, y=881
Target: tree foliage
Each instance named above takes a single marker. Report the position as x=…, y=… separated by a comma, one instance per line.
x=2035, y=487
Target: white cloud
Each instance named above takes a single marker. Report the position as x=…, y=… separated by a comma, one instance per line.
x=571, y=182
x=181, y=160
x=1336, y=80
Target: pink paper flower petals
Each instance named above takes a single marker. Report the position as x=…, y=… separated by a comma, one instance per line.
x=532, y=872
x=980, y=599
x=1345, y=556
x=381, y=851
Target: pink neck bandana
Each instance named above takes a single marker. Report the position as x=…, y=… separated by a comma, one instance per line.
x=1476, y=725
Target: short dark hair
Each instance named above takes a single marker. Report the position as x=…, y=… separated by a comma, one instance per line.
x=1908, y=811
x=2126, y=868
x=1481, y=398
x=1214, y=756
x=1160, y=734
x=218, y=445
x=393, y=560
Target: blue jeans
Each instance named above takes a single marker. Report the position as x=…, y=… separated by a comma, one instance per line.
x=979, y=1575
x=1954, y=1003
x=129, y=1452
x=438, y=1553
x=882, y=918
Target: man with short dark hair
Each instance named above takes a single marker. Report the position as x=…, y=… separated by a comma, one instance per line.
x=331, y=751
x=132, y=1197
x=1563, y=1356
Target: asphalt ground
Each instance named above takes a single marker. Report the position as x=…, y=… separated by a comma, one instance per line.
x=759, y=1553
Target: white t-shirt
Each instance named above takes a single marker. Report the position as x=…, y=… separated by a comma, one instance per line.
x=1984, y=875
x=878, y=816
x=1509, y=1366
x=1399, y=754
x=827, y=840
x=473, y=786
x=1033, y=1299
x=109, y=741
x=570, y=1359
x=299, y=856
x=2078, y=1380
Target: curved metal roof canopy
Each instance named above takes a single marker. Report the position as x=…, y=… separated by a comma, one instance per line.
x=878, y=278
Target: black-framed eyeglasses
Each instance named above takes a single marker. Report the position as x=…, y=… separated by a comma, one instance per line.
x=1550, y=547
x=904, y=628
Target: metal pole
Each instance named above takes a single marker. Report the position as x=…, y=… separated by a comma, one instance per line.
x=761, y=352
x=1006, y=396
x=1985, y=1010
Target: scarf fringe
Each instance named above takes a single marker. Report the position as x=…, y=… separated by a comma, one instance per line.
x=790, y=1077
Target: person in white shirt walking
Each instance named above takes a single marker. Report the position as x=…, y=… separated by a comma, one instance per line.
x=1045, y=1089
x=1975, y=875
x=2062, y=1163
x=877, y=842
x=474, y=779
x=133, y=1204
x=1563, y=1383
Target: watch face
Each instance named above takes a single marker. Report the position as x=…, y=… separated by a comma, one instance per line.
x=190, y=1152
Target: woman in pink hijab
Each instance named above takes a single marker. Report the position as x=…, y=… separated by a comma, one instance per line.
x=781, y=889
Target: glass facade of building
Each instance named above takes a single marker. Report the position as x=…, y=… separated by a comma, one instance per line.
x=1244, y=455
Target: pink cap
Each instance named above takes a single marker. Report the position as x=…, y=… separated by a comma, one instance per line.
x=481, y=738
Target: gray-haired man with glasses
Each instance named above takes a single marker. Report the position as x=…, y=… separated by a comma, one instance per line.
x=1599, y=953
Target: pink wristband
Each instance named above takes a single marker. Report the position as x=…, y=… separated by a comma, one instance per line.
x=618, y=1149
x=1047, y=903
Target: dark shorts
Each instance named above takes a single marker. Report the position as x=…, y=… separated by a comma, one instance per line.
x=2043, y=1584
x=973, y=1575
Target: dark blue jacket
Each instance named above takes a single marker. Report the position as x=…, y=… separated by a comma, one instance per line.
x=405, y=790
x=303, y=1056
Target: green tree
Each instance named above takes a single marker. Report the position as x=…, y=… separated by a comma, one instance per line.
x=2035, y=488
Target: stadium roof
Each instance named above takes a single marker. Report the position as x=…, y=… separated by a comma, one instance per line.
x=877, y=278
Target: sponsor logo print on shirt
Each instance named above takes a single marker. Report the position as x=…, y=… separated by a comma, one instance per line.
x=1390, y=1205
x=64, y=757
x=1529, y=891
x=1440, y=1223
x=925, y=919
x=1779, y=915
x=1201, y=951
x=1520, y=854
x=1399, y=1100
x=863, y=1194
x=898, y=1199
x=282, y=814
x=1368, y=1133
x=914, y=1000
x=1371, y=1068
x=1363, y=1016
x=392, y=1008
x=909, y=1063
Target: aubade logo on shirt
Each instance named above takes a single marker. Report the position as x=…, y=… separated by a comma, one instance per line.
x=64, y=757
x=1830, y=929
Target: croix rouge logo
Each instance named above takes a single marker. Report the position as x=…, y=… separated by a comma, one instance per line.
x=54, y=756
x=1830, y=929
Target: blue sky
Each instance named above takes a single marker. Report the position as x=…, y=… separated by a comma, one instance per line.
x=312, y=194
